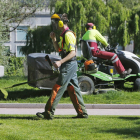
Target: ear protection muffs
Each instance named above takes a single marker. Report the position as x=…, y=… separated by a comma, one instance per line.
x=93, y=27
x=60, y=23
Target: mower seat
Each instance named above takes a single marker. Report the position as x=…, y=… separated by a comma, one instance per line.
x=87, y=52
x=86, y=49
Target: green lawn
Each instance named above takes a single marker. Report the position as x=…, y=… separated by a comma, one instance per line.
x=29, y=127
x=28, y=94
x=17, y=127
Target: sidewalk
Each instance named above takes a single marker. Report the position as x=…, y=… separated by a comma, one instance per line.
x=70, y=106
x=68, y=109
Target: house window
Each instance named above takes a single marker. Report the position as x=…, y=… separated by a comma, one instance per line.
x=21, y=33
x=19, y=53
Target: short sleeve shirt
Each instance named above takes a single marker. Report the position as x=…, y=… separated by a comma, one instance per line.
x=70, y=42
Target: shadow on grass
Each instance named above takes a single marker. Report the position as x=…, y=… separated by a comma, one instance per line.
x=16, y=117
x=65, y=117
x=31, y=117
x=130, y=118
x=129, y=132
x=28, y=93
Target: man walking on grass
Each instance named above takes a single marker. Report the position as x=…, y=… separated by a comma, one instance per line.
x=68, y=66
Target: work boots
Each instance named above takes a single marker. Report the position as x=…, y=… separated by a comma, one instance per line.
x=43, y=115
x=125, y=73
x=40, y=114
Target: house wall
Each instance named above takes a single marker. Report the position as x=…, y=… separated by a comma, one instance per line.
x=130, y=47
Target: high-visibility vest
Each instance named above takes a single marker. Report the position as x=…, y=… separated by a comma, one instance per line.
x=64, y=47
x=94, y=35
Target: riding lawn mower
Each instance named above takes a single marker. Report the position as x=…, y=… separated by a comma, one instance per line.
x=102, y=74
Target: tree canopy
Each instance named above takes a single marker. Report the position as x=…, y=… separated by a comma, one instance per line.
x=117, y=19
x=129, y=3
x=38, y=40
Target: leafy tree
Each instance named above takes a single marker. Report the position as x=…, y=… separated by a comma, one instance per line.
x=82, y=11
x=111, y=17
x=133, y=22
x=119, y=23
x=134, y=27
x=78, y=16
x=114, y=18
x=129, y=3
x=38, y=40
x=106, y=15
x=15, y=11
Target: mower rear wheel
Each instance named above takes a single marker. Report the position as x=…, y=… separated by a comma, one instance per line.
x=137, y=84
x=86, y=85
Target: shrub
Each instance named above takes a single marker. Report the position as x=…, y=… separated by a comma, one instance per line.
x=14, y=66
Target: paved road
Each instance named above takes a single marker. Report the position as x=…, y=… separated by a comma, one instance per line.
x=67, y=109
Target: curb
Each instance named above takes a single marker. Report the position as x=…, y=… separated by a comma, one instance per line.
x=70, y=106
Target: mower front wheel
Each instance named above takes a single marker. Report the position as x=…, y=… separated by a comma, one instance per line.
x=86, y=85
x=137, y=84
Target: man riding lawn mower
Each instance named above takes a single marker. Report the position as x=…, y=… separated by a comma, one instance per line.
x=91, y=37
x=104, y=67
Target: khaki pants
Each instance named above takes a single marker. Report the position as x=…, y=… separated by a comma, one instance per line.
x=66, y=80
